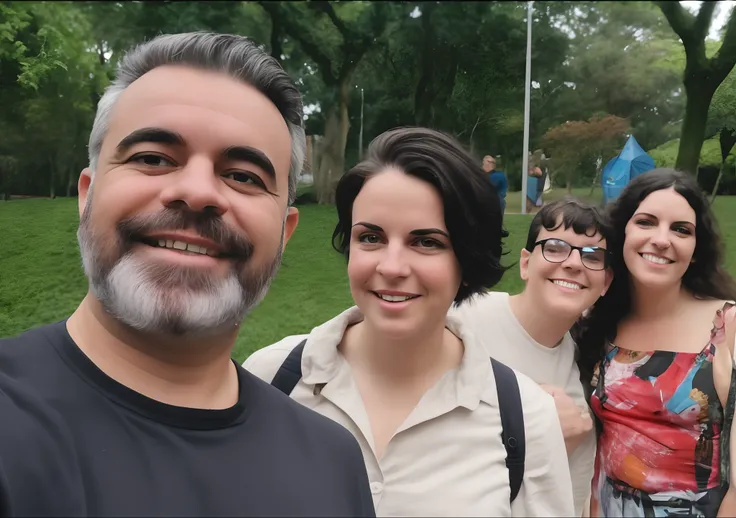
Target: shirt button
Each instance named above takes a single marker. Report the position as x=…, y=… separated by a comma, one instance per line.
x=376, y=487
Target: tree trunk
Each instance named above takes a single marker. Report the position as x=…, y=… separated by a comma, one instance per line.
x=471, y=140
x=70, y=181
x=718, y=182
x=699, y=94
x=597, y=178
x=276, y=47
x=332, y=149
x=436, y=74
x=423, y=95
x=52, y=179
x=595, y=183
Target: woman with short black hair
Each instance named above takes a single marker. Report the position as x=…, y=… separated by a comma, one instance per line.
x=420, y=227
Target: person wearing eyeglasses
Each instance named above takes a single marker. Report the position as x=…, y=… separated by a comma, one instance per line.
x=565, y=268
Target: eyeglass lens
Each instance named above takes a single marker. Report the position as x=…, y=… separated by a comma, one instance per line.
x=557, y=251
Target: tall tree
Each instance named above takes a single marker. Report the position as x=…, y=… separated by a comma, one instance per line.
x=335, y=36
x=624, y=60
x=577, y=142
x=459, y=67
x=45, y=112
x=702, y=75
x=56, y=58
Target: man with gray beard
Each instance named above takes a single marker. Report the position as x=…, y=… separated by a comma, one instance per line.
x=133, y=406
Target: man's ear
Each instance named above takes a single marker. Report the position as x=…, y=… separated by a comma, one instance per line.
x=83, y=185
x=292, y=220
x=524, y=264
x=609, y=280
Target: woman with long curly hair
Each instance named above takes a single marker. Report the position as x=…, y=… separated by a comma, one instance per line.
x=657, y=353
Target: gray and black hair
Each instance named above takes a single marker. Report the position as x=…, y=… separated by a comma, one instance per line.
x=235, y=56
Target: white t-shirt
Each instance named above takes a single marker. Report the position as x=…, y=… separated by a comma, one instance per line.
x=490, y=319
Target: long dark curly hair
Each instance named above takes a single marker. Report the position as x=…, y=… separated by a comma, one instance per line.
x=705, y=278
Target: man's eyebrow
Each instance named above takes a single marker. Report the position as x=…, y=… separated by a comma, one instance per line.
x=252, y=155
x=157, y=135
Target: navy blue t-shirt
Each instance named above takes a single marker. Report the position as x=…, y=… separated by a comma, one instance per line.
x=75, y=442
x=499, y=181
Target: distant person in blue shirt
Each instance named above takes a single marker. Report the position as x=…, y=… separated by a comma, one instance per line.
x=499, y=182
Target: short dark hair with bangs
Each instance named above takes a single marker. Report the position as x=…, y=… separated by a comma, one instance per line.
x=471, y=205
x=583, y=218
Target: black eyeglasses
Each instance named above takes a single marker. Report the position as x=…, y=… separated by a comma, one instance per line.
x=557, y=251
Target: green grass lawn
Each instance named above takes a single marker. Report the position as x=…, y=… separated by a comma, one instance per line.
x=41, y=278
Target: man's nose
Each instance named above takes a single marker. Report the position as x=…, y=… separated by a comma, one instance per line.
x=198, y=186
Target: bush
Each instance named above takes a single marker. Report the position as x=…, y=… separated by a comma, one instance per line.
x=710, y=163
x=707, y=176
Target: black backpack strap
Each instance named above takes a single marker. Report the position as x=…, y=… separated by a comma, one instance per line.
x=512, y=422
x=509, y=400
x=290, y=371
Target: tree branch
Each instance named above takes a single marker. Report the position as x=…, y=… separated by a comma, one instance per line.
x=680, y=20
x=703, y=19
x=389, y=59
x=276, y=47
x=326, y=8
x=313, y=50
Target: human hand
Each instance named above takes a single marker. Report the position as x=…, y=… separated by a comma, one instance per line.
x=575, y=421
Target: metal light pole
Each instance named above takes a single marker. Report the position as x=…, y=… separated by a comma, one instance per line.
x=527, y=102
x=360, y=135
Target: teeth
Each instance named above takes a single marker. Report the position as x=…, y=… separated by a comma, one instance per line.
x=181, y=245
x=654, y=259
x=570, y=285
x=395, y=298
x=199, y=250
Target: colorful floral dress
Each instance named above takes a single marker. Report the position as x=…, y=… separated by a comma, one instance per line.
x=664, y=448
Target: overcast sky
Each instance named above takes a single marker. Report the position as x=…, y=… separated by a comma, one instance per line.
x=723, y=9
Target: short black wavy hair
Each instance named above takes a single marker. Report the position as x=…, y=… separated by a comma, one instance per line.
x=471, y=204
x=569, y=212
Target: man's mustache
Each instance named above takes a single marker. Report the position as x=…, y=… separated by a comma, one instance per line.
x=206, y=224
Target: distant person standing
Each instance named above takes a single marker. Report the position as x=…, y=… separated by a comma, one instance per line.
x=537, y=176
x=544, y=164
x=499, y=182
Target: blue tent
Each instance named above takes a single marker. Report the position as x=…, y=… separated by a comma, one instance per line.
x=630, y=163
